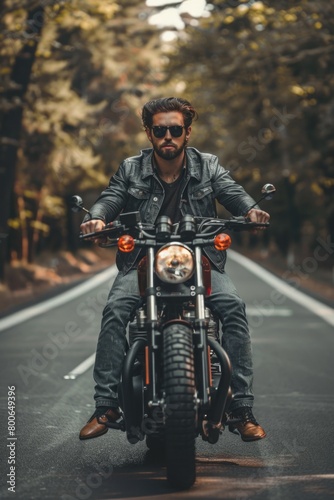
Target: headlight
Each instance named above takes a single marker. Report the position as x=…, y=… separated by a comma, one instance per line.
x=174, y=263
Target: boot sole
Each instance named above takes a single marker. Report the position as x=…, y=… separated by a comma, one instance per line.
x=92, y=436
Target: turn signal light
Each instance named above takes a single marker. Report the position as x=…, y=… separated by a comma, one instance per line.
x=222, y=241
x=126, y=243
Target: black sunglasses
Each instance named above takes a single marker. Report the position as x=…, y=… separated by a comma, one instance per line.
x=160, y=130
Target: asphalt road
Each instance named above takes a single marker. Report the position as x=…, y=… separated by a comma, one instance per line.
x=294, y=376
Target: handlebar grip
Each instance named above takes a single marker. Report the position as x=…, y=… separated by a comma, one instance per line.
x=98, y=234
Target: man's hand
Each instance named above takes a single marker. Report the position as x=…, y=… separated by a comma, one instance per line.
x=256, y=215
x=92, y=226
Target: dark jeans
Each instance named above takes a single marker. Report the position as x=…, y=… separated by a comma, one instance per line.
x=111, y=344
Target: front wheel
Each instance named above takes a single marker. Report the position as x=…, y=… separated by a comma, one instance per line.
x=180, y=409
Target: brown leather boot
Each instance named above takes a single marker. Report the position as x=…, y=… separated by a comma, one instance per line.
x=246, y=424
x=95, y=426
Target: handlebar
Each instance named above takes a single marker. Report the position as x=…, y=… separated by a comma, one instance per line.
x=205, y=229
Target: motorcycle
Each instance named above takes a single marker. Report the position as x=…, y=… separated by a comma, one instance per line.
x=175, y=383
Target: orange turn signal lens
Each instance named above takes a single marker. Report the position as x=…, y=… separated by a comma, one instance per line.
x=126, y=243
x=222, y=241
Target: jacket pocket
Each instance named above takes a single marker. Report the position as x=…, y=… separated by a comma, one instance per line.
x=138, y=199
x=202, y=201
x=139, y=193
x=201, y=192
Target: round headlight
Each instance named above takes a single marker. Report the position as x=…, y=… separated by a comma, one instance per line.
x=174, y=263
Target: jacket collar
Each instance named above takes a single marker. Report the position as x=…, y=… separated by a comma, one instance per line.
x=193, y=163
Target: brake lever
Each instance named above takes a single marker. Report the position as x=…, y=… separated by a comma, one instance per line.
x=240, y=223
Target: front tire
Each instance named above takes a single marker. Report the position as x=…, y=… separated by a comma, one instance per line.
x=180, y=410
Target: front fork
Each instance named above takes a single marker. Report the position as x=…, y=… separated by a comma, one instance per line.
x=153, y=333
x=200, y=335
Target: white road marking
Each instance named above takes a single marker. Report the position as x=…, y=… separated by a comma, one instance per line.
x=309, y=477
x=319, y=309
x=263, y=311
x=59, y=300
x=80, y=369
x=313, y=305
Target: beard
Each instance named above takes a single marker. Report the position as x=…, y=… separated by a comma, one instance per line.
x=169, y=154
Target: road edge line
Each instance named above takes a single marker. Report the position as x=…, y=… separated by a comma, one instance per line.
x=81, y=368
x=318, y=308
x=42, y=307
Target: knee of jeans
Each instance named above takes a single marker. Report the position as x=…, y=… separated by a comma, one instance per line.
x=240, y=304
x=114, y=311
x=234, y=318
x=233, y=304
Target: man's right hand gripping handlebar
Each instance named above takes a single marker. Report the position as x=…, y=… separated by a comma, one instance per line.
x=93, y=226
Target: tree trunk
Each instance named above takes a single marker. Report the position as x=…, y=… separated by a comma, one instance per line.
x=12, y=118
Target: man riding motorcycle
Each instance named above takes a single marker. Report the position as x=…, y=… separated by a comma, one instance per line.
x=171, y=179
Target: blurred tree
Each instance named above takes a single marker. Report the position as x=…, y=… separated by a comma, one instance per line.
x=95, y=60
x=11, y=116
x=262, y=77
x=260, y=74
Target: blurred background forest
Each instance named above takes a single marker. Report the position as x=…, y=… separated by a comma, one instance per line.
x=75, y=74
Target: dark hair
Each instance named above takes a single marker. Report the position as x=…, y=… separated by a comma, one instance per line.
x=166, y=104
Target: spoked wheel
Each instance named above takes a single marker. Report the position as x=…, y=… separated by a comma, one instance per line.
x=180, y=391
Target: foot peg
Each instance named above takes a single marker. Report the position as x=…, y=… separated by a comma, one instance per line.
x=119, y=425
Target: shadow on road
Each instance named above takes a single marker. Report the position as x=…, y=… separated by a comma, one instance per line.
x=222, y=477
x=148, y=480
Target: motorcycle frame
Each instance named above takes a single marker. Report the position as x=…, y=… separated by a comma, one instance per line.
x=209, y=407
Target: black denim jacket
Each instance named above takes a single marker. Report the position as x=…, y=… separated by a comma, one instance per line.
x=136, y=187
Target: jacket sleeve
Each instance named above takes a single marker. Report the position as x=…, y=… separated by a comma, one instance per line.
x=228, y=193
x=113, y=199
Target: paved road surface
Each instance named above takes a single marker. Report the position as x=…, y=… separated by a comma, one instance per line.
x=293, y=357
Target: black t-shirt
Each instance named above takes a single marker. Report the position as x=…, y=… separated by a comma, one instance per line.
x=171, y=203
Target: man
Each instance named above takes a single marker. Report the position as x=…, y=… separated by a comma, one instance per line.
x=170, y=179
